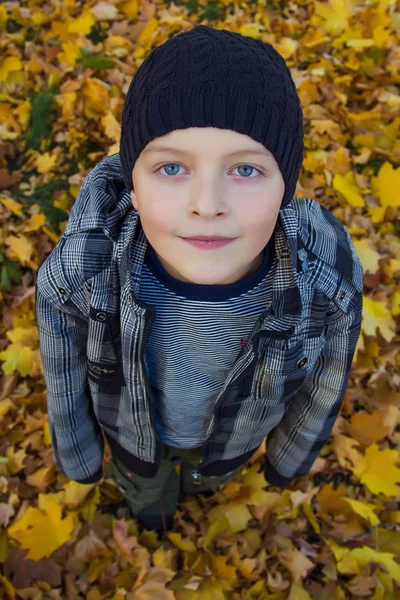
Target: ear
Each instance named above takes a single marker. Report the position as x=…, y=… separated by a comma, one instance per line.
x=134, y=200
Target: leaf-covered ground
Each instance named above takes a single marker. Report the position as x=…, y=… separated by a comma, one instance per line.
x=65, y=68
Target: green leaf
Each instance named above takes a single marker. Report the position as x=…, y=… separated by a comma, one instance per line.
x=5, y=282
x=14, y=271
x=11, y=272
x=97, y=34
x=213, y=12
x=95, y=61
x=42, y=107
x=376, y=164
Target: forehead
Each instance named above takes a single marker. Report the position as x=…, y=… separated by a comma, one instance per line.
x=199, y=140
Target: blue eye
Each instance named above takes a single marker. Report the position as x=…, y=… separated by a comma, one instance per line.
x=245, y=166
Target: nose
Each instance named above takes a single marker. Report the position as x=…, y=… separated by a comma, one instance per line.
x=207, y=198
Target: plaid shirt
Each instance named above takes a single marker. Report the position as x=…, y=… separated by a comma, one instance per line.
x=287, y=384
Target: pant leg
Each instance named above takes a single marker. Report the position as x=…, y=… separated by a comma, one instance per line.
x=194, y=485
x=148, y=496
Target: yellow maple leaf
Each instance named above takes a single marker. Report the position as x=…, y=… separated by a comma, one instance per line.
x=315, y=159
x=237, y=515
x=377, y=470
x=345, y=449
x=347, y=186
x=368, y=119
x=381, y=36
x=24, y=114
x=219, y=567
x=130, y=9
x=96, y=96
x=214, y=529
x=334, y=17
x=146, y=35
x=313, y=37
x=67, y=103
x=20, y=248
x=357, y=560
x=41, y=478
x=42, y=531
x=23, y=334
x=365, y=556
x=376, y=315
x=117, y=43
x=364, y=139
x=17, y=357
x=90, y=506
x=386, y=186
x=34, y=223
x=74, y=493
x=15, y=459
x=5, y=406
x=287, y=47
x=253, y=30
x=13, y=205
x=296, y=563
x=369, y=257
x=341, y=160
x=3, y=15
x=322, y=126
x=46, y=162
x=82, y=24
x=183, y=544
x=395, y=299
x=111, y=127
x=376, y=213
x=9, y=65
x=364, y=509
x=71, y=52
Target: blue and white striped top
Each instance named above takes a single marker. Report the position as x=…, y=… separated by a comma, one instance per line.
x=188, y=355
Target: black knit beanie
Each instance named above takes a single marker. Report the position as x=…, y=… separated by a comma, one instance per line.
x=207, y=77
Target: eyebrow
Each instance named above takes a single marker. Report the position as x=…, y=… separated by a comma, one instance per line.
x=243, y=151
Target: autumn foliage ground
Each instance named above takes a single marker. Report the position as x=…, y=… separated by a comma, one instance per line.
x=65, y=68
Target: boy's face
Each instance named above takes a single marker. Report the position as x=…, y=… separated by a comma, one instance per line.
x=205, y=189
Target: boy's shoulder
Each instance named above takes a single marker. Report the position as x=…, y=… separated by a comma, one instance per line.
x=322, y=237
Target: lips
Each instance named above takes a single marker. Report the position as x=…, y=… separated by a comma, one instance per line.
x=208, y=244
x=205, y=238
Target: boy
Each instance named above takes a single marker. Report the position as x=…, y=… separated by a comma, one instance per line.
x=190, y=351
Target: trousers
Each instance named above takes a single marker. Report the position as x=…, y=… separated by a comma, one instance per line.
x=148, y=498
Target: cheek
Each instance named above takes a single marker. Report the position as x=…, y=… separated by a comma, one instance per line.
x=157, y=218
x=259, y=220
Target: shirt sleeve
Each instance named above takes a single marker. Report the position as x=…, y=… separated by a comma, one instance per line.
x=76, y=436
x=294, y=444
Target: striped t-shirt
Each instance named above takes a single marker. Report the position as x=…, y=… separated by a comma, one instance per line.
x=195, y=339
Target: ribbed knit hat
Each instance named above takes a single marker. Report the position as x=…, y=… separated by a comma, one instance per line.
x=207, y=77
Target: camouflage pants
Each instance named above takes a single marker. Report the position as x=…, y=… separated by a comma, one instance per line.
x=159, y=495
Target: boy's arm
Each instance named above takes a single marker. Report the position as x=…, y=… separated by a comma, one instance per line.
x=295, y=443
x=76, y=436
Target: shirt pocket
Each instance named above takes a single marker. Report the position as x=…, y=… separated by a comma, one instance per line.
x=283, y=364
x=52, y=282
x=104, y=351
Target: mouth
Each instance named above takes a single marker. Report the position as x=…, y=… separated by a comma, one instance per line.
x=208, y=238
x=207, y=243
